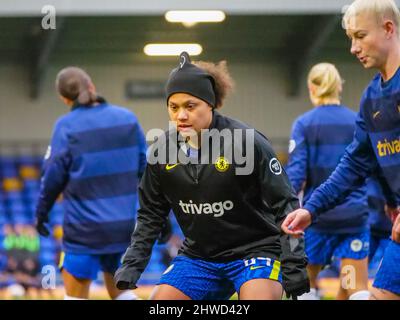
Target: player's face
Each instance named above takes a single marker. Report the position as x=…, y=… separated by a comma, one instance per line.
x=368, y=40
x=190, y=113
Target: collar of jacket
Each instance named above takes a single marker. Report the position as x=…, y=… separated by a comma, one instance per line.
x=99, y=100
x=214, y=121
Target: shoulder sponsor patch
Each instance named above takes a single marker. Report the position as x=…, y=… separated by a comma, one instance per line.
x=275, y=166
x=48, y=153
x=356, y=245
x=292, y=145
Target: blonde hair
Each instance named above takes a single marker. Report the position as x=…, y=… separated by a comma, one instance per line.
x=326, y=80
x=380, y=9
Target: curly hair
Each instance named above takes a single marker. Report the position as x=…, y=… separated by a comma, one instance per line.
x=224, y=83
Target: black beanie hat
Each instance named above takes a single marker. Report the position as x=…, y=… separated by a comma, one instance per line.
x=188, y=78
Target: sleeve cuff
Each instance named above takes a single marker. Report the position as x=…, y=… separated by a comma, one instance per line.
x=126, y=277
x=312, y=212
x=41, y=215
x=391, y=202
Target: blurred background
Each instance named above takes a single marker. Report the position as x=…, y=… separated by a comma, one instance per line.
x=269, y=46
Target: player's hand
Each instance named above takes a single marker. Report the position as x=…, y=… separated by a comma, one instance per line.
x=296, y=222
x=396, y=230
x=41, y=227
x=392, y=213
x=297, y=289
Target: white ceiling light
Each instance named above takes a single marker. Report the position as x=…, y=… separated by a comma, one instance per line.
x=191, y=17
x=172, y=49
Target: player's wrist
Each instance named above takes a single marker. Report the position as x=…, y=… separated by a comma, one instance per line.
x=311, y=211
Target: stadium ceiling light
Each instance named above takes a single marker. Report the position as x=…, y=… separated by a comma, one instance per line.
x=191, y=17
x=172, y=49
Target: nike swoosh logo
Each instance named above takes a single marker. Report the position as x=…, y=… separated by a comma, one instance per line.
x=171, y=166
x=376, y=114
x=254, y=267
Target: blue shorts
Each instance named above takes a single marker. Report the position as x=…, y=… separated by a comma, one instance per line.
x=321, y=247
x=87, y=266
x=377, y=247
x=388, y=275
x=205, y=280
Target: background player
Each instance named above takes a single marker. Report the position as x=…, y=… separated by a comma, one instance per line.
x=318, y=141
x=96, y=157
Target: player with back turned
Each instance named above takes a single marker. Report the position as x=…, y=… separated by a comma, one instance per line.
x=319, y=139
x=96, y=158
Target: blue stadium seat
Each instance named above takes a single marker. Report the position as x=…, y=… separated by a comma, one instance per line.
x=18, y=213
x=48, y=251
x=2, y=212
x=13, y=196
x=8, y=167
x=27, y=160
x=29, y=209
x=31, y=187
